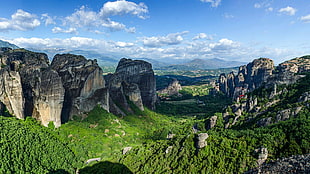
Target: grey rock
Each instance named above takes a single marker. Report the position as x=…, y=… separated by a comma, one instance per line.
x=201, y=140
x=136, y=73
x=210, y=123
x=173, y=88
x=83, y=83
x=126, y=149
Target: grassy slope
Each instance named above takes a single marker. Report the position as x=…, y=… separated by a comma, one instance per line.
x=111, y=133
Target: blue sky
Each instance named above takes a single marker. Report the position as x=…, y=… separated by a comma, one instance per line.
x=159, y=29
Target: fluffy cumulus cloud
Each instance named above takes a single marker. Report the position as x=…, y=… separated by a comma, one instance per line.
x=84, y=17
x=21, y=20
x=121, y=7
x=158, y=41
x=305, y=19
x=214, y=3
x=68, y=31
x=47, y=19
x=191, y=49
x=288, y=11
x=202, y=36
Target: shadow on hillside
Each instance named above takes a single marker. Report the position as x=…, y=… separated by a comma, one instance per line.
x=59, y=171
x=106, y=167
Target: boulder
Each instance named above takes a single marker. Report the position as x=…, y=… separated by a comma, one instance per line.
x=200, y=143
x=211, y=122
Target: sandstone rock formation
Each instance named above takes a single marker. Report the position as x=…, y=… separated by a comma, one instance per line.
x=11, y=94
x=293, y=164
x=211, y=122
x=248, y=78
x=172, y=89
x=133, y=80
x=30, y=86
x=70, y=85
x=83, y=83
x=201, y=140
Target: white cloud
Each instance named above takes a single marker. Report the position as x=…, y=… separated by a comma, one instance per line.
x=112, y=25
x=124, y=44
x=223, y=44
x=270, y=9
x=60, y=30
x=191, y=49
x=228, y=16
x=48, y=20
x=257, y=5
x=202, y=36
x=20, y=20
x=214, y=3
x=121, y=7
x=305, y=19
x=288, y=11
x=82, y=17
x=170, y=39
x=86, y=18
x=265, y=5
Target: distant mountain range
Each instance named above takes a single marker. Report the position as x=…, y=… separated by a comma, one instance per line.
x=199, y=64
x=7, y=44
x=160, y=64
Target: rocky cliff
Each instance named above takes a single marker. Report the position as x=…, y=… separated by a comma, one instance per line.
x=172, y=89
x=133, y=80
x=249, y=77
x=84, y=85
x=269, y=104
x=70, y=85
x=50, y=93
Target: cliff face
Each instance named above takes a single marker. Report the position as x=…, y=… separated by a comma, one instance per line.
x=30, y=86
x=172, y=89
x=35, y=90
x=11, y=94
x=83, y=84
x=248, y=78
x=70, y=85
x=275, y=81
x=135, y=80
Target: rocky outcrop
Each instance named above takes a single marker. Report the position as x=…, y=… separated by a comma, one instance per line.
x=172, y=89
x=11, y=94
x=83, y=83
x=248, y=78
x=70, y=85
x=293, y=164
x=211, y=122
x=48, y=98
x=126, y=149
x=201, y=140
x=133, y=80
x=38, y=89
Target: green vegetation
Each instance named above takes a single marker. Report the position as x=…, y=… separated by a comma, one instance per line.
x=27, y=147
x=227, y=151
x=199, y=105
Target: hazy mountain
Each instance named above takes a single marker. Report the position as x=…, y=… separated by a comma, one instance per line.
x=7, y=44
x=197, y=64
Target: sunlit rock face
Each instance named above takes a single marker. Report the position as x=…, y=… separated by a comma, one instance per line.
x=249, y=77
x=83, y=83
x=133, y=80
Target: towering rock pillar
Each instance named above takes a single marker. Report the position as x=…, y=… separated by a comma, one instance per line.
x=133, y=80
x=83, y=83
